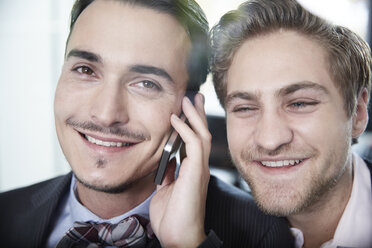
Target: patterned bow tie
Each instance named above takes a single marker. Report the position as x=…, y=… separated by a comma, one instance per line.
x=127, y=233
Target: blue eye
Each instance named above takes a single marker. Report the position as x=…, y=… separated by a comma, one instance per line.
x=302, y=104
x=299, y=104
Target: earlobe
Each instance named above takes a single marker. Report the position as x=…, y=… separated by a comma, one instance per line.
x=360, y=117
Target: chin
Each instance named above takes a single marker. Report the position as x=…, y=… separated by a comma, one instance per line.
x=108, y=184
x=105, y=188
x=279, y=207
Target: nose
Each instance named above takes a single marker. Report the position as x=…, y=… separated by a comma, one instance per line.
x=109, y=106
x=272, y=131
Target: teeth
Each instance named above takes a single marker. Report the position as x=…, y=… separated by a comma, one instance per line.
x=280, y=163
x=105, y=143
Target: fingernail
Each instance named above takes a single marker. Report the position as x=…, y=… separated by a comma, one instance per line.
x=201, y=96
x=185, y=98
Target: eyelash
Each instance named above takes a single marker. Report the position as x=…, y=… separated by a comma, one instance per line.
x=302, y=104
x=243, y=109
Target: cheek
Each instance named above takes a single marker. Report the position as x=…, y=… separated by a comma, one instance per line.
x=60, y=103
x=330, y=125
x=64, y=98
x=155, y=115
x=238, y=134
x=72, y=99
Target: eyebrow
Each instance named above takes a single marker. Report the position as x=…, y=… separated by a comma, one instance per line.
x=240, y=95
x=304, y=85
x=287, y=90
x=92, y=57
x=146, y=69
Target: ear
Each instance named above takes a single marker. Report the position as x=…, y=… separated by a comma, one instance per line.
x=360, y=117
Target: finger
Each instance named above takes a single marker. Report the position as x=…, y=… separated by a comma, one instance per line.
x=194, y=171
x=186, y=133
x=197, y=149
x=199, y=131
x=199, y=105
x=196, y=119
x=193, y=143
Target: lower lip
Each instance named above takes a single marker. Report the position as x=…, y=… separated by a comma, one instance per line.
x=105, y=149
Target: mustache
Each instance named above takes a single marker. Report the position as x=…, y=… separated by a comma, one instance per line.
x=118, y=131
x=252, y=153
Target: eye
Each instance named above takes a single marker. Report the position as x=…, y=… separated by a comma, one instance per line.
x=302, y=106
x=299, y=104
x=84, y=70
x=243, y=109
x=148, y=85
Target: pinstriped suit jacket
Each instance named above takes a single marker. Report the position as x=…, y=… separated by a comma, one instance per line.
x=27, y=215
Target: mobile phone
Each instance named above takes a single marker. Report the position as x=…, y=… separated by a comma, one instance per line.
x=173, y=147
x=170, y=150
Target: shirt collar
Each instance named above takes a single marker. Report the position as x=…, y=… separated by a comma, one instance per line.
x=352, y=230
x=81, y=213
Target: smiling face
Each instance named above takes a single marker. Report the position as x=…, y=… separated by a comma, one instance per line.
x=124, y=75
x=288, y=132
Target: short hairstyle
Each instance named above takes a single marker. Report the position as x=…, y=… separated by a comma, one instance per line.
x=189, y=15
x=348, y=55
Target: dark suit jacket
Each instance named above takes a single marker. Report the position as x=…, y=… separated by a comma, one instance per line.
x=27, y=216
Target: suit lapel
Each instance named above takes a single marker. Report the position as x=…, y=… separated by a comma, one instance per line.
x=153, y=243
x=39, y=220
x=45, y=203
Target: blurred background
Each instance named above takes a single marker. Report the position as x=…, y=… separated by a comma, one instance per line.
x=32, y=40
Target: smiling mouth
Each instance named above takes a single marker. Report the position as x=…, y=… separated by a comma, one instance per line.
x=106, y=143
x=281, y=163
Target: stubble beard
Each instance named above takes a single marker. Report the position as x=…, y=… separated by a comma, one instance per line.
x=112, y=189
x=102, y=163
x=106, y=187
x=281, y=199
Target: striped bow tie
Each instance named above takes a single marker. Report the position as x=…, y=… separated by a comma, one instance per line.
x=127, y=233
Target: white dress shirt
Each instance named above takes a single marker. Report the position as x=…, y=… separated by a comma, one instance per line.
x=355, y=226
x=73, y=210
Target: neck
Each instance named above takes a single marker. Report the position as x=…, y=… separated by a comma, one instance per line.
x=319, y=221
x=109, y=205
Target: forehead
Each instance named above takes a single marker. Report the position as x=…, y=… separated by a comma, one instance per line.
x=272, y=61
x=125, y=34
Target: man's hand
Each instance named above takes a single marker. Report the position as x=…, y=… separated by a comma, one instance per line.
x=177, y=209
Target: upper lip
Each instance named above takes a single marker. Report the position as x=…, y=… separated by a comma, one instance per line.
x=107, y=138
